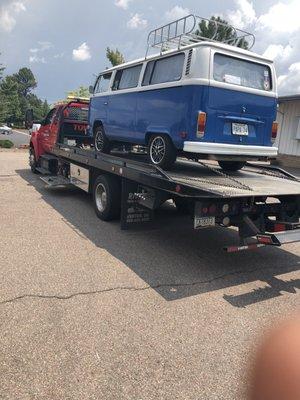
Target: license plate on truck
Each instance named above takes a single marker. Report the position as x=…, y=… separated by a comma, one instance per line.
x=203, y=222
x=240, y=129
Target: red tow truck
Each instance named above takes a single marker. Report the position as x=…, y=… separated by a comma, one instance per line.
x=66, y=123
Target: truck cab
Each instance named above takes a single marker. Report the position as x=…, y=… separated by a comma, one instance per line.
x=66, y=123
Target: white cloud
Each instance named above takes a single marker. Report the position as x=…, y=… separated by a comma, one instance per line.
x=43, y=46
x=136, y=21
x=8, y=13
x=275, y=51
x=282, y=17
x=18, y=6
x=122, y=3
x=176, y=12
x=290, y=82
x=37, y=59
x=243, y=16
x=82, y=53
x=59, y=55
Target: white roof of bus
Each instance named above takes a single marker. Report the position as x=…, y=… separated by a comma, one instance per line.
x=221, y=46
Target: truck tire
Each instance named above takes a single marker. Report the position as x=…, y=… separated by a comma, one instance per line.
x=107, y=197
x=161, y=151
x=231, y=165
x=32, y=160
x=101, y=143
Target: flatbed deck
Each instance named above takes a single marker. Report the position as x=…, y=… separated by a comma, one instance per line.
x=190, y=178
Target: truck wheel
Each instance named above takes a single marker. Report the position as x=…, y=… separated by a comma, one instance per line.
x=162, y=151
x=231, y=165
x=32, y=160
x=101, y=142
x=107, y=197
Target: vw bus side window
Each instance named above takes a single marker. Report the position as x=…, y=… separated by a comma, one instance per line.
x=242, y=72
x=127, y=78
x=102, y=84
x=167, y=69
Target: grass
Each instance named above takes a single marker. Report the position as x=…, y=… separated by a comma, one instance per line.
x=6, y=144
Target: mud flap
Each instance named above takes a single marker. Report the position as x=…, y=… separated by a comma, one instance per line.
x=137, y=204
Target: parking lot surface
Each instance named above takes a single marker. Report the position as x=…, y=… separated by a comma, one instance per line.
x=88, y=311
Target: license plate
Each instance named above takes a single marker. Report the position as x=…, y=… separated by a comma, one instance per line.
x=240, y=129
x=202, y=222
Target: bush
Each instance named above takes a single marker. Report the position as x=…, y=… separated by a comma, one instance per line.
x=6, y=144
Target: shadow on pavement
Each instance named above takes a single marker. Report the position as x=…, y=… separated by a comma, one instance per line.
x=170, y=256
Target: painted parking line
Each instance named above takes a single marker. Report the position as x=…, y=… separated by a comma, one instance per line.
x=22, y=133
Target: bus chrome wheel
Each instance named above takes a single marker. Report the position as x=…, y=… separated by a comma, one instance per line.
x=157, y=150
x=101, y=142
x=161, y=151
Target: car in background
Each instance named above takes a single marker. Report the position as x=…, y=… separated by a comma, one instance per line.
x=5, y=130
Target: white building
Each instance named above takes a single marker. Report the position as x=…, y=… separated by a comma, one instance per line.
x=288, y=138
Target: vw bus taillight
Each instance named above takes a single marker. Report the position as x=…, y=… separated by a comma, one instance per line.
x=274, y=131
x=201, y=124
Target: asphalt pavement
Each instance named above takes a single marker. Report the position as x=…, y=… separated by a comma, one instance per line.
x=88, y=311
x=18, y=138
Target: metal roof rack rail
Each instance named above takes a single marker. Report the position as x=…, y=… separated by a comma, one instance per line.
x=186, y=31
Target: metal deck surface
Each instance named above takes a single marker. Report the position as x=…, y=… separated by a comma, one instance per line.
x=250, y=181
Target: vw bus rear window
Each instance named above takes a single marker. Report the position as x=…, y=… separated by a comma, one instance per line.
x=242, y=72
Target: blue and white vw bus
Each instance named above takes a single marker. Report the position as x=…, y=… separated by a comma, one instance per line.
x=202, y=100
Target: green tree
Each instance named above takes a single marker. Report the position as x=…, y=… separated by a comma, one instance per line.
x=224, y=32
x=82, y=91
x=26, y=81
x=115, y=57
x=2, y=68
x=16, y=97
x=40, y=108
x=11, y=111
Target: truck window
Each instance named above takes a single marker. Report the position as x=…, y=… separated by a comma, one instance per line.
x=50, y=117
x=102, y=84
x=167, y=69
x=242, y=72
x=76, y=113
x=127, y=78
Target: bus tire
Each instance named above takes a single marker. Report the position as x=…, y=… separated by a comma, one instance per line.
x=231, y=165
x=101, y=143
x=161, y=151
x=107, y=197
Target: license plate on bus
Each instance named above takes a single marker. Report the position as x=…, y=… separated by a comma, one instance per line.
x=240, y=129
x=203, y=222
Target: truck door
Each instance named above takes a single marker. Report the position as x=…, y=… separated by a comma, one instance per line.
x=44, y=131
x=54, y=128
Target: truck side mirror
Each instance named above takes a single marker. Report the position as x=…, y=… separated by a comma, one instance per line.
x=91, y=89
x=29, y=118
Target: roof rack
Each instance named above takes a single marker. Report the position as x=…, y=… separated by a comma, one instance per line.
x=185, y=31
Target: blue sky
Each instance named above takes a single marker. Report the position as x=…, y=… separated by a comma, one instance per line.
x=64, y=41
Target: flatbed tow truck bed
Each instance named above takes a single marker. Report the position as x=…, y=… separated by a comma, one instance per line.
x=262, y=201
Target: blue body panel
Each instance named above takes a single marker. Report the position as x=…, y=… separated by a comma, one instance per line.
x=129, y=117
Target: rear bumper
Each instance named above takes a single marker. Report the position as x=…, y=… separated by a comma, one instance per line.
x=230, y=149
